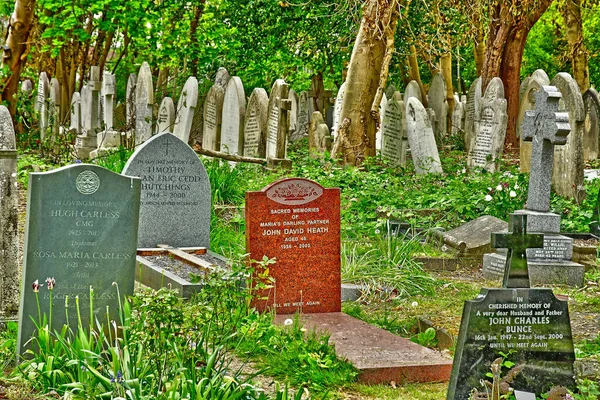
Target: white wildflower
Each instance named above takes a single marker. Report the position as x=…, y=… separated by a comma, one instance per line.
x=512, y=193
x=414, y=304
x=488, y=197
x=288, y=322
x=499, y=188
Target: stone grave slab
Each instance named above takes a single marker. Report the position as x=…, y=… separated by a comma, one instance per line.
x=213, y=110
x=144, y=102
x=81, y=230
x=9, y=215
x=531, y=322
x=297, y=222
x=380, y=356
x=473, y=238
x=176, y=197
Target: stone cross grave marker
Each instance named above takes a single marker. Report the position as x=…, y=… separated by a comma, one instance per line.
x=532, y=326
x=176, y=199
x=529, y=87
x=318, y=95
x=255, y=124
x=297, y=222
x=545, y=127
x=166, y=116
x=90, y=97
x=9, y=234
x=186, y=108
x=109, y=87
x=81, y=230
x=516, y=273
x=144, y=101
x=234, y=109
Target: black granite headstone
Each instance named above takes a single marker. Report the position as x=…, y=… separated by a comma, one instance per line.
x=529, y=327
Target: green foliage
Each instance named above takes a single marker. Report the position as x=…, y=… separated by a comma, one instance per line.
x=425, y=338
x=114, y=160
x=588, y=390
x=8, y=342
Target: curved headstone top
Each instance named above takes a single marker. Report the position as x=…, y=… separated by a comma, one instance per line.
x=494, y=90
x=7, y=130
x=144, y=89
x=421, y=139
x=222, y=77
x=412, y=90
x=176, y=198
x=255, y=124
x=186, y=108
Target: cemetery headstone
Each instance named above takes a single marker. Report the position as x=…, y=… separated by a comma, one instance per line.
x=144, y=101
x=490, y=129
x=545, y=127
x=534, y=83
x=41, y=104
x=437, y=102
x=297, y=222
x=421, y=139
x=234, y=110
x=213, y=110
x=303, y=119
x=27, y=87
x=567, y=177
x=473, y=238
x=591, y=124
x=278, y=104
x=76, y=113
x=293, y=96
x=472, y=109
x=186, y=108
x=255, y=124
x=390, y=91
x=458, y=119
x=176, y=198
x=319, y=97
x=130, y=102
x=530, y=325
x=108, y=138
x=412, y=90
x=166, y=116
x=378, y=133
x=54, y=110
x=9, y=216
x=319, y=139
x=81, y=231
x=337, y=109
x=395, y=140
x=90, y=96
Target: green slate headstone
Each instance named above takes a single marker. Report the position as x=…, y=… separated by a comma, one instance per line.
x=81, y=230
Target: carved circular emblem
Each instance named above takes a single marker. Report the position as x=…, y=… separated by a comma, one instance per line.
x=87, y=182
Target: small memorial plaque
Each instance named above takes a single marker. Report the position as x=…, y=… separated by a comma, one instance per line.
x=297, y=222
x=82, y=223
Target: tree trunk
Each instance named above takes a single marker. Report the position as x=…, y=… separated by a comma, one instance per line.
x=504, y=52
x=479, y=53
x=194, y=37
x=415, y=74
x=15, y=50
x=366, y=74
x=446, y=64
x=571, y=12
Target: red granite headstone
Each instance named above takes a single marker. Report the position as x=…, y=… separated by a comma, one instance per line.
x=297, y=222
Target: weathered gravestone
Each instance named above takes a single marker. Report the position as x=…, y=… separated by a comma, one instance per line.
x=490, y=129
x=130, y=102
x=379, y=134
x=545, y=127
x=108, y=138
x=90, y=97
x=27, y=87
x=186, y=108
x=591, y=124
x=234, y=110
x=421, y=140
x=472, y=109
x=176, y=199
x=395, y=140
x=144, y=101
x=595, y=223
x=255, y=124
x=530, y=326
x=412, y=90
x=303, y=119
x=75, y=112
x=54, y=111
x=166, y=116
x=82, y=231
x=297, y=222
x=319, y=139
x=9, y=234
x=473, y=238
x=278, y=122
x=41, y=104
x=337, y=109
x=436, y=100
x=390, y=90
x=213, y=110
x=458, y=119
x=529, y=88
x=293, y=96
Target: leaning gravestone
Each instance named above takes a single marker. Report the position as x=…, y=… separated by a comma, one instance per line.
x=490, y=129
x=421, y=140
x=472, y=109
x=41, y=104
x=234, y=109
x=186, y=108
x=591, y=124
x=176, y=201
x=213, y=110
x=144, y=101
x=546, y=128
x=9, y=216
x=297, y=222
x=529, y=327
x=81, y=231
x=567, y=177
x=303, y=119
x=255, y=124
x=395, y=141
x=166, y=116
x=75, y=113
x=529, y=88
x=437, y=102
x=276, y=143
x=337, y=109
